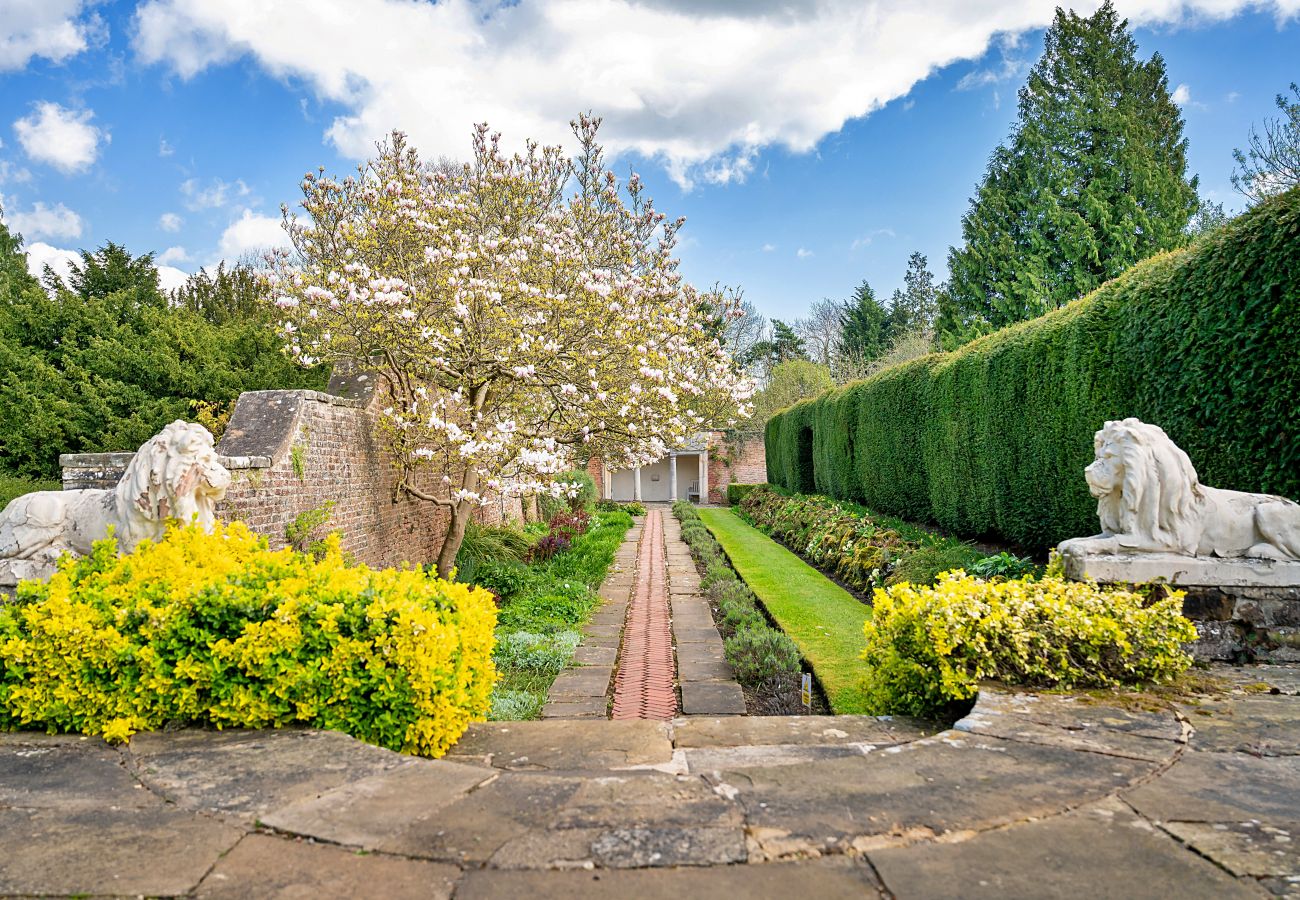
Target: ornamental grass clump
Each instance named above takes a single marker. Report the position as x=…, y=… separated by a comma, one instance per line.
x=759, y=655
x=217, y=630
x=928, y=648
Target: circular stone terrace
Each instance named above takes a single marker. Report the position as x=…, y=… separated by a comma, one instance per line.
x=1029, y=795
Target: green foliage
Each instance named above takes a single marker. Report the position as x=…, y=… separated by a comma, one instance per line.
x=928, y=648
x=214, y=629
x=584, y=499
x=1002, y=565
x=298, y=533
x=542, y=606
x=761, y=654
x=790, y=382
x=863, y=550
x=737, y=492
x=1091, y=180
x=633, y=508
x=993, y=439
x=864, y=333
x=12, y=486
x=486, y=545
x=106, y=361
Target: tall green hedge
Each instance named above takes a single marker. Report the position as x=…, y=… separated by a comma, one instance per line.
x=992, y=439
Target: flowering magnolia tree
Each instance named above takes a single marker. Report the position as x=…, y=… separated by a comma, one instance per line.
x=522, y=312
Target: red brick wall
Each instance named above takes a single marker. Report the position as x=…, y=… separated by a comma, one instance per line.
x=339, y=459
x=742, y=458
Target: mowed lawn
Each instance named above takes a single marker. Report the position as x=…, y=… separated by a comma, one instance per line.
x=821, y=617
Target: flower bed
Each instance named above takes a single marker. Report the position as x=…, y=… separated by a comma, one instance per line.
x=215, y=629
x=545, y=593
x=862, y=550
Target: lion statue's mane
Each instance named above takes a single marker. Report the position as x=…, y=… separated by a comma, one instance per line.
x=1149, y=499
x=175, y=475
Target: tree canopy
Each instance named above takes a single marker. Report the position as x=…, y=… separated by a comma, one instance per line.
x=104, y=361
x=515, y=321
x=1092, y=179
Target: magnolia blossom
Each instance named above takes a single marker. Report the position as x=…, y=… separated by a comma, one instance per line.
x=515, y=322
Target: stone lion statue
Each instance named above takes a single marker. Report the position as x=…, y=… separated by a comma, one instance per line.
x=175, y=475
x=1149, y=500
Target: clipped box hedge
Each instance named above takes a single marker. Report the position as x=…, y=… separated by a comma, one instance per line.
x=217, y=630
x=992, y=439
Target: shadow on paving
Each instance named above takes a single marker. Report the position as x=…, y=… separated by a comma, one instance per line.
x=1028, y=796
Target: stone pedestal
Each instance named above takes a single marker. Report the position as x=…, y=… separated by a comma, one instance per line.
x=13, y=571
x=1243, y=609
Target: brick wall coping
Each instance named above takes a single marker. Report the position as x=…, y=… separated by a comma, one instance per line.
x=120, y=460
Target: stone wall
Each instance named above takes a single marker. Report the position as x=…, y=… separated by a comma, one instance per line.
x=1245, y=624
x=735, y=457
x=294, y=451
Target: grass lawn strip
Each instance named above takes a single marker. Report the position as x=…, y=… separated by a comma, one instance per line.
x=821, y=617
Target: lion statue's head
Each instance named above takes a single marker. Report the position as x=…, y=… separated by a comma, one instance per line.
x=176, y=475
x=1144, y=484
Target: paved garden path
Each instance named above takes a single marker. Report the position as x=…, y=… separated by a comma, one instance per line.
x=652, y=640
x=1028, y=796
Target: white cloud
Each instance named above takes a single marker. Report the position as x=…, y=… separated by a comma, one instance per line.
x=54, y=29
x=701, y=86
x=803, y=253
x=170, y=277
x=1182, y=95
x=169, y=221
x=40, y=254
x=62, y=137
x=1011, y=68
x=215, y=195
x=768, y=248
x=251, y=232
x=172, y=255
x=164, y=148
x=16, y=174
x=44, y=221
x=867, y=239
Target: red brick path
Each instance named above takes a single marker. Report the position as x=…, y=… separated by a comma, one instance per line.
x=644, y=686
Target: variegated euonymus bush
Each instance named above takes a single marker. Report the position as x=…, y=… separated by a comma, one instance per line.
x=519, y=309
x=928, y=648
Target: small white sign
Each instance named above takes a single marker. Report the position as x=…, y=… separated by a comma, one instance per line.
x=806, y=693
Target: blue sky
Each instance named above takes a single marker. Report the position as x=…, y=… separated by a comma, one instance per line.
x=809, y=145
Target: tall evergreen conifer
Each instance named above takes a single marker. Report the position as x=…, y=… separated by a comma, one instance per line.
x=1092, y=179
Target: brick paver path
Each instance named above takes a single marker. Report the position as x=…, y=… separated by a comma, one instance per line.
x=644, y=686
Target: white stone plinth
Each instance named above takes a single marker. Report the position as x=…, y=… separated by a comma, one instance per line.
x=1182, y=571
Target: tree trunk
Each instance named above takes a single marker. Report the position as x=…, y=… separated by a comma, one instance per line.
x=460, y=516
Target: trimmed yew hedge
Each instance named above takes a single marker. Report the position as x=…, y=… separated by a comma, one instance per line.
x=992, y=439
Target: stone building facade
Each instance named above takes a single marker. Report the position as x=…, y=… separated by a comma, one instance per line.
x=699, y=470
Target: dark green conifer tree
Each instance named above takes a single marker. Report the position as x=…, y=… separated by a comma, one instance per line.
x=1092, y=179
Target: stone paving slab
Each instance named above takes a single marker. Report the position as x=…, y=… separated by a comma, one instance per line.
x=922, y=790
x=700, y=806
x=247, y=773
x=593, y=655
x=1260, y=725
x=838, y=879
x=712, y=698
x=579, y=683
x=265, y=866
x=364, y=813
x=108, y=851
x=566, y=745
x=730, y=731
x=584, y=708
x=1100, y=851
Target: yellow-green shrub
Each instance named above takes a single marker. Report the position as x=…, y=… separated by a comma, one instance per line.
x=218, y=630
x=929, y=647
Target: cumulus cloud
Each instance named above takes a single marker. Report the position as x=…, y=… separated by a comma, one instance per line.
x=214, y=195
x=54, y=29
x=172, y=255
x=61, y=137
x=40, y=254
x=1182, y=95
x=867, y=239
x=44, y=221
x=170, y=277
x=251, y=232
x=768, y=248
x=699, y=86
x=803, y=253
x=169, y=221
